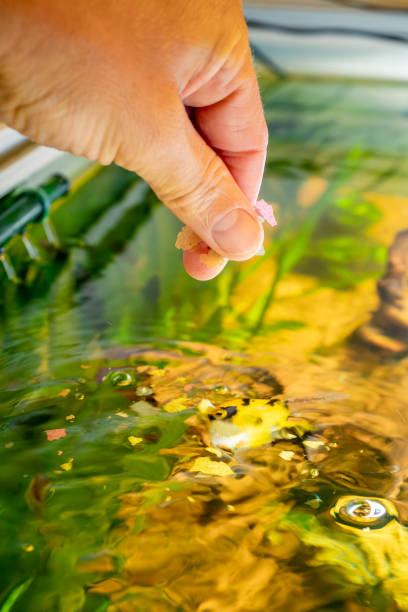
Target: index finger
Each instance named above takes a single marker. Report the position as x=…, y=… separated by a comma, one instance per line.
x=235, y=128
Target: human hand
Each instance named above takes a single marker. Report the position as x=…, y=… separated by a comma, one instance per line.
x=110, y=81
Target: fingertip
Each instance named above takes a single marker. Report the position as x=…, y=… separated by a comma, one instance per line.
x=202, y=263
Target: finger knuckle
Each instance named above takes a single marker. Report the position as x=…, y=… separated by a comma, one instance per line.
x=264, y=135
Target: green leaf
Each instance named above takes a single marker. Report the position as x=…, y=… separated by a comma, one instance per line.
x=15, y=594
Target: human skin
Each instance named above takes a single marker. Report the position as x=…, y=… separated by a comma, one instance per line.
x=111, y=80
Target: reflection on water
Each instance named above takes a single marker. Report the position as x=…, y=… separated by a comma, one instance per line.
x=231, y=446
x=364, y=513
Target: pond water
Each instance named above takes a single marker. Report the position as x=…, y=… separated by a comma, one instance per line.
x=237, y=445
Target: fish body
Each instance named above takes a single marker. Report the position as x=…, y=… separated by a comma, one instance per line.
x=250, y=423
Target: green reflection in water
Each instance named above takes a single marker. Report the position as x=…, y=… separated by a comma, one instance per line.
x=119, y=491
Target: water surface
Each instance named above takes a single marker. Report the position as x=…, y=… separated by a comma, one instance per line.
x=229, y=446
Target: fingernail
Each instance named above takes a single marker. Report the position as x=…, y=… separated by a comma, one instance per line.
x=237, y=232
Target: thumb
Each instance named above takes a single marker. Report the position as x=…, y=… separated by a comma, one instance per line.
x=195, y=184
